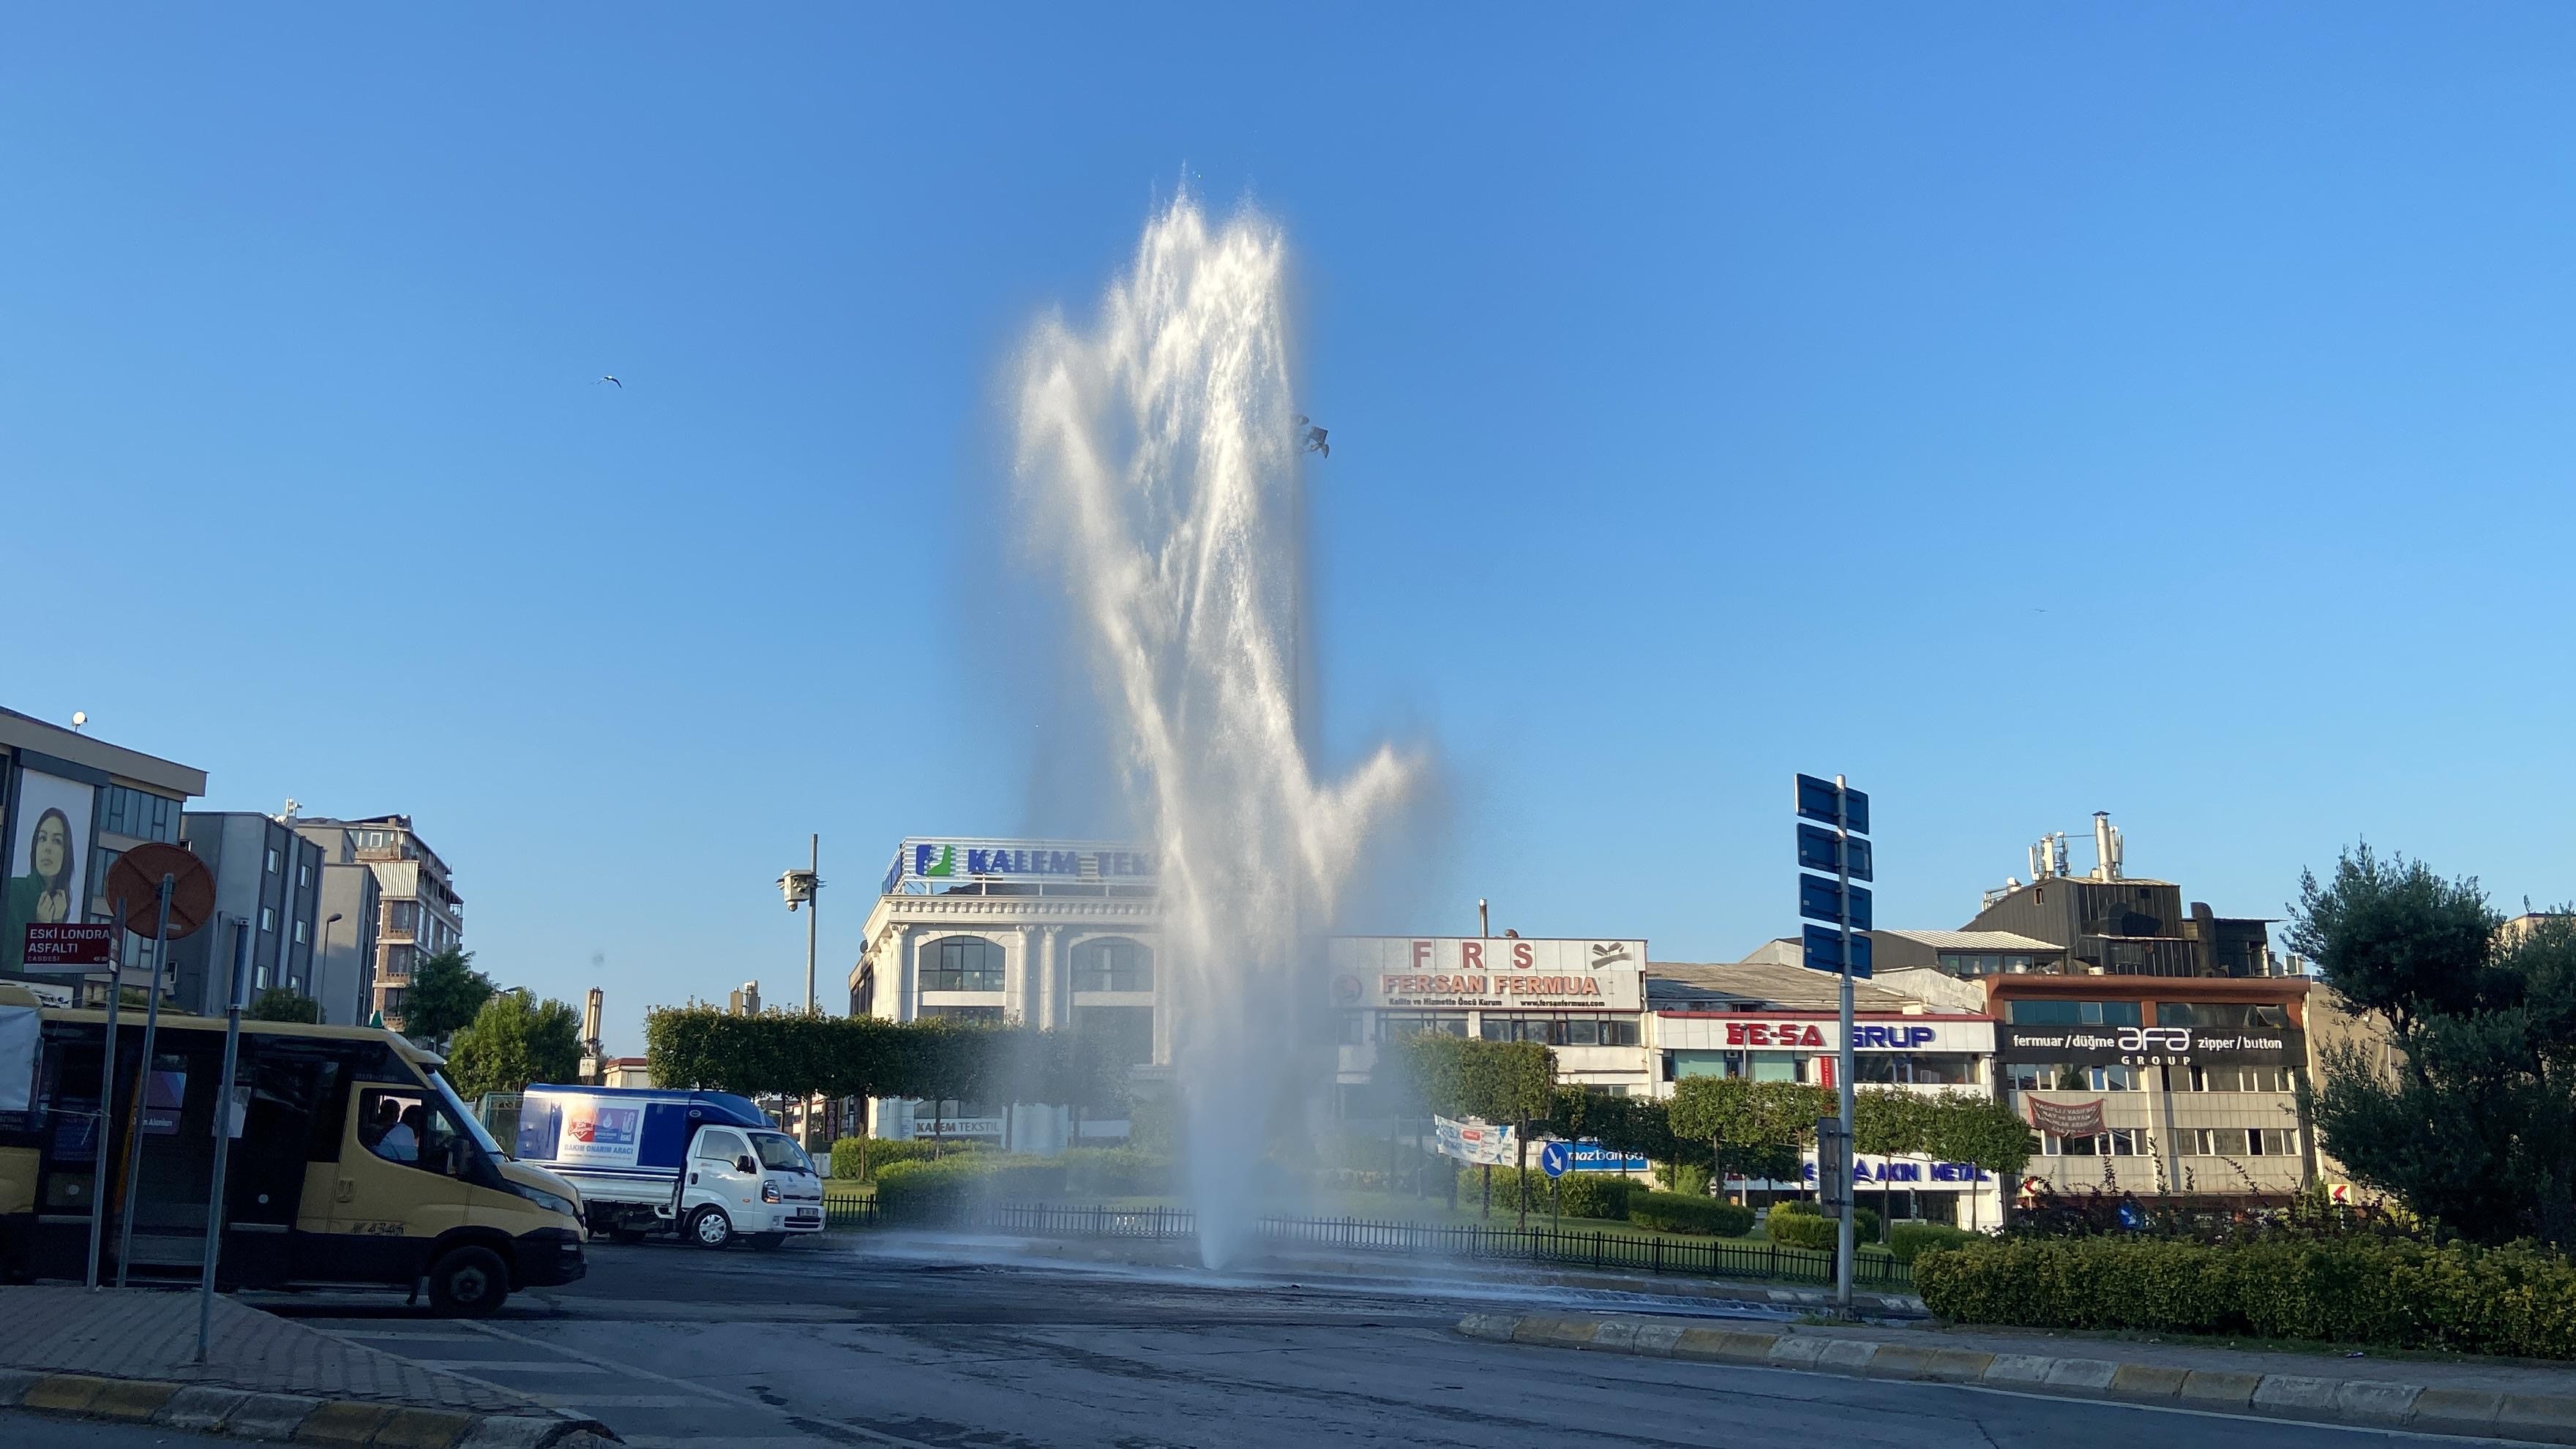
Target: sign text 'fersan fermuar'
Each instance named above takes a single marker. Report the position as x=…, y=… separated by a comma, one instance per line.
x=1500, y=972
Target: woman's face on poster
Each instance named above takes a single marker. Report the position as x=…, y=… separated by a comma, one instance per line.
x=53, y=847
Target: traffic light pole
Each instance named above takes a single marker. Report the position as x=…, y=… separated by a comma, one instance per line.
x=1843, y=1236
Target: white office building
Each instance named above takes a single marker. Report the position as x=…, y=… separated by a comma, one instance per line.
x=1066, y=934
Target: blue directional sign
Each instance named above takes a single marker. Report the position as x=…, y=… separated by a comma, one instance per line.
x=1820, y=799
x=1820, y=899
x=1825, y=950
x=1555, y=1159
x=1821, y=849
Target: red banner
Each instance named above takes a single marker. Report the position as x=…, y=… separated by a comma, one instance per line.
x=69, y=945
x=2067, y=1119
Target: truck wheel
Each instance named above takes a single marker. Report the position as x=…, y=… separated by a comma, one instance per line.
x=468, y=1283
x=767, y=1241
x=711, y=1228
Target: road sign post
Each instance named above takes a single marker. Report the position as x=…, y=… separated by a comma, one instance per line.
x=184, y=891
x=225, y=1131
x=1837, y=900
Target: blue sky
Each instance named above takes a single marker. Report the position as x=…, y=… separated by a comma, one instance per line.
x=2024, y=410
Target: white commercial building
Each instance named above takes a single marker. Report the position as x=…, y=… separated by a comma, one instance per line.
x=1066, y=934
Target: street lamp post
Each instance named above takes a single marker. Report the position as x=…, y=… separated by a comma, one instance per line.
x=321, y=951
x=803, y=888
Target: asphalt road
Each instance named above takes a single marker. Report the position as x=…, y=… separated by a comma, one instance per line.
x=819, y=1344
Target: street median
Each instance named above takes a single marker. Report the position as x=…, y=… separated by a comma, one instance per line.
x=2495, y=1406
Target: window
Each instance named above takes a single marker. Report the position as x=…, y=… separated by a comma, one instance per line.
x=1777, y=1067
x=1112, y=965
x=1560, y=1030
x=779, y=1153
x=299, y=933
x=2231, y=1079
x=1395, y=1025
x=1946, y=1069
x=303, y=877
x=2116, y=1079
x=961, y=963
x=272, y=860
x=407, y=1125
x=127, y=811
x=2118, y=1142
x=1126, y=1031
x=716, y=1144
x=2075, y=1013
x=2044, y=1077
x=267, y=919
x=101, y=861
x=2222, y=1014
x=1355, y=1028
x=988, y=1014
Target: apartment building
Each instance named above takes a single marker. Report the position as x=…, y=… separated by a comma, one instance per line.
x=267, y=875
x=417, y=911
x=70, y=804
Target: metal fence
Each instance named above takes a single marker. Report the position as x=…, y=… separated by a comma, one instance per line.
x=1557, y=1245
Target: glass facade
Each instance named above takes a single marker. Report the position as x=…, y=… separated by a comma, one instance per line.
x=961, y=963
x=1113, y=965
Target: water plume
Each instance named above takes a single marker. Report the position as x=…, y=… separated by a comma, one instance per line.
x=1159, y=462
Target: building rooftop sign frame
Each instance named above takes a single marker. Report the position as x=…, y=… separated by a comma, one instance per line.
x=929, y=864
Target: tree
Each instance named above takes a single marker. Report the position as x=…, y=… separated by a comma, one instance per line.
x=1497, y=1081
x=2476, y=1124
x=1982, y=1132
x=445, y=993
x=279, y=1003
x=514, y=1040
x=1753, y=1129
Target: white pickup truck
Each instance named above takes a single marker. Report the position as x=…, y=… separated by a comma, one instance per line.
x=705, y=1165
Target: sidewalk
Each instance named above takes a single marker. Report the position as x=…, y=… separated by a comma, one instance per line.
x=2503, y=1398
x=128, y=1354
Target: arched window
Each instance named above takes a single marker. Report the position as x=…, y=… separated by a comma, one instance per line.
x=1114, y=964
x=961, y=963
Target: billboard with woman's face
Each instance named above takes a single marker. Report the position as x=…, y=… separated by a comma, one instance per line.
x=48, y=860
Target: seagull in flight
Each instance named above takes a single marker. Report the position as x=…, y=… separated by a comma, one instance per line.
x=604, y=377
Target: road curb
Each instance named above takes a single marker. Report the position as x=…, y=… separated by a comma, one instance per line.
x=2372, y=1403
x=285, y=1418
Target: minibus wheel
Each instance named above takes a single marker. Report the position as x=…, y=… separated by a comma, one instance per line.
x=711, y=1228
x=468, y=1283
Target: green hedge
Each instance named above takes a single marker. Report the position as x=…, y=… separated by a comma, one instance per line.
x=884, y=1151
x=922, y=1186
x=1797, y=1224
x=1908, y=1240
x=1115, y=1172
x=2516, y=1300
x=1674, y=1212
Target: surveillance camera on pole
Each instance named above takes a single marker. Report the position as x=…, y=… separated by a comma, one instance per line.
x=799, y=886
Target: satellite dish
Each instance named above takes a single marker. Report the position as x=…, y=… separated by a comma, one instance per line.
x=80, y=719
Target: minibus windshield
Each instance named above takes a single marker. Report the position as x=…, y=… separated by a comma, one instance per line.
x=781, y=1152
x=465, y=1114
